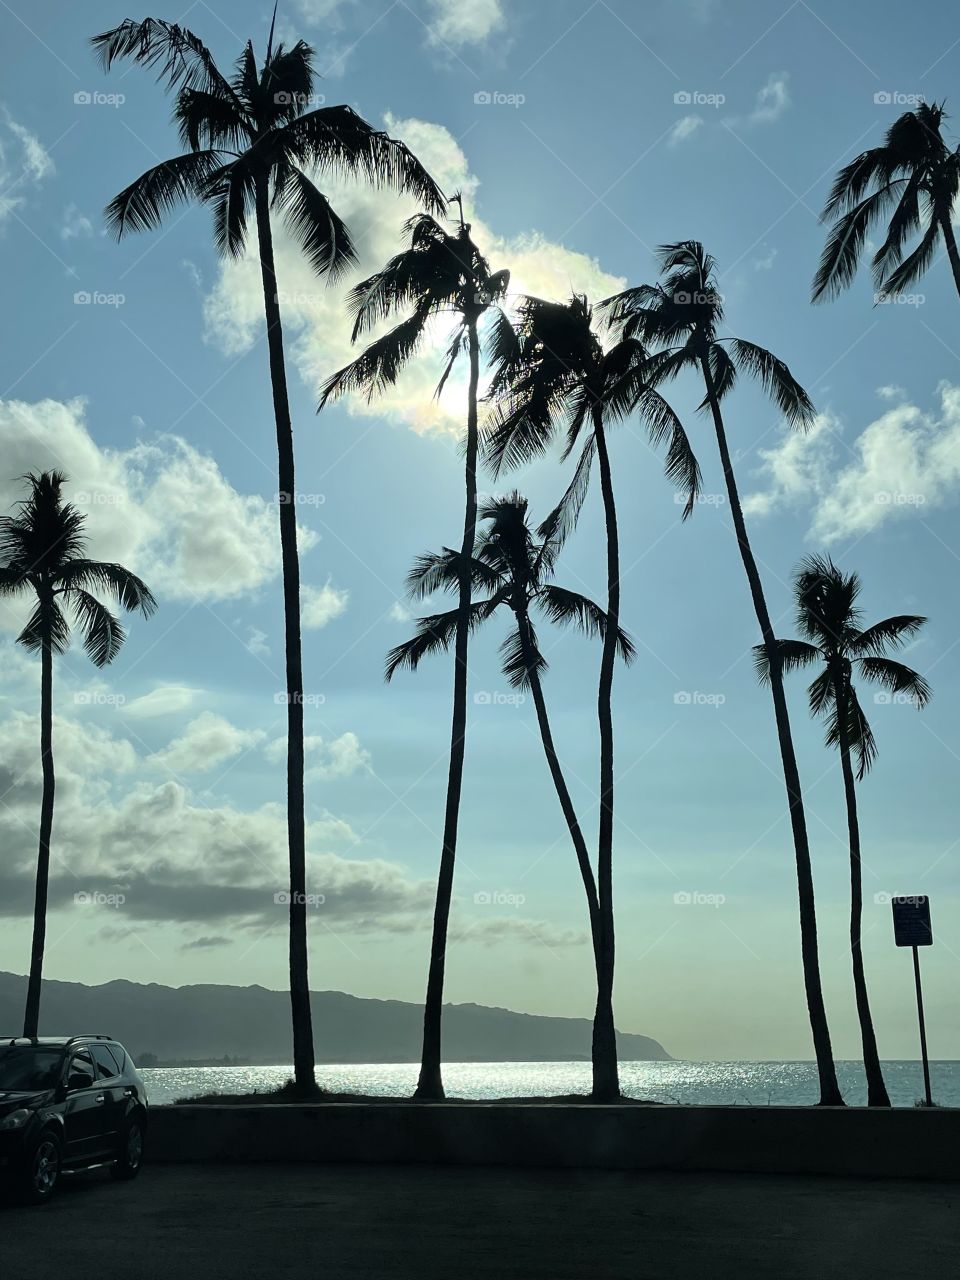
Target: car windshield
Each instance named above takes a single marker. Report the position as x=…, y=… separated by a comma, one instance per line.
x=26, y=1066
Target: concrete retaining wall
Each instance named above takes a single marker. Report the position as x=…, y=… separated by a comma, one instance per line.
x=904, y=1143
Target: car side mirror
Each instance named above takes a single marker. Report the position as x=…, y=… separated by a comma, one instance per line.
x=77, y=1080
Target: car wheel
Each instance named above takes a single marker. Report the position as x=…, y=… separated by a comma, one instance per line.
x=131, y=1150
x=42, y=1171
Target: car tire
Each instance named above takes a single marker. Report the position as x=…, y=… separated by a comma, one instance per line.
x=130, y=1159
x=42, y=1168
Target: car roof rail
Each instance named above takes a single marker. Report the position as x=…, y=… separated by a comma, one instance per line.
x=98, y=1035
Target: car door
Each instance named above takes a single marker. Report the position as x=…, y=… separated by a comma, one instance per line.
x=114, y=1091
x=83, y=1110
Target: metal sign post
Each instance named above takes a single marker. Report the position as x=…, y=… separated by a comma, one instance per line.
x=912, y=928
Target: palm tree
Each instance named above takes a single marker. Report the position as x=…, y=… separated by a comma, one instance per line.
x=552, y=370
x=250, y=145
x=680, y=317
x=514, y=570
x=915, y=178
x=441, y=273
x=830, y=623
x=43, y=552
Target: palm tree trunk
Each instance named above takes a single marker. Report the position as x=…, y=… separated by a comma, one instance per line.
x=829, y=1089
x=563, y=794
x=950, y=240
x=31, y=1017
x=606, y=1081
x=430, y=1083
x=877, y=1095
x=303, y=1051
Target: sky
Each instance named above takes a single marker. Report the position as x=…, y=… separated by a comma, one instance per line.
x=582, y=135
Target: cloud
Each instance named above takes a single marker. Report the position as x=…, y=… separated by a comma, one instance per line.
x=206, y=743
x=320, y=605
x=24, y=162
x=903, y=462
x=457, y=23
x=772, y=100
x=165, y=700
x=685, y=128
x=257, y=643
x=75, y=224
x=765, y=261
x=207, y=942
x=161, y=507
x=490, y=931
x=338, y=758
x=314, y=313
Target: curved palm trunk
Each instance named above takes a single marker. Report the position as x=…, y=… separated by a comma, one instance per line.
x=303, y=1052
x=563, y=794
x=829, y=1089
x=950, y=240
x=877, y=1095
x=606, y=1080
x=31, y=1017
x=430, y=1083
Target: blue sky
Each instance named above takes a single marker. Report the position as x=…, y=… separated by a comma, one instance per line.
x=610, y=128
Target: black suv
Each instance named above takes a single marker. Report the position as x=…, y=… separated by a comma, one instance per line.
x=67, y=1105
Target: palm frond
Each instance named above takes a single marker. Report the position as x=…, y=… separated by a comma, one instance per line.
x=841, y=253
x=211, y=120
x=316, y=227
x=912, y=267
x=896, y=677
x=379, y=366
x=570, y=608
x=891, y=633
x=792, y=655
x=231, y=192
x=129, y=591
x=181, y=58
x=776, y=379
x=562, y=520
x=860, y=739
x=46, y=625
x=103, y=636
x=146, y=202
x=440, y=571
x=434, y=634
x=520, y=656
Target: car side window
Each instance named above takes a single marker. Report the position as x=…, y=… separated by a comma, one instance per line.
x=118, y=1053
x=106, y=1065
x=81, y=1064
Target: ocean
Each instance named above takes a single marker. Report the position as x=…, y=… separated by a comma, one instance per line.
x=745, y=1084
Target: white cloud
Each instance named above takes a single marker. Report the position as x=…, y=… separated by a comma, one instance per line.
x=320, y=605
x=338, y=758
x=904, y=462
x=257, y=643
x=162, y=508
x=772, y=100
x=207, y=742
x=24, y=162
x=456, y=23
x=314, y=313
x=75, y=224
x=399, y=612
x=685, y=128
x=165, y=700
x=765, y=261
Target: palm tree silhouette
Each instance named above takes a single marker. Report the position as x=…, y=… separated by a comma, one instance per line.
x=915, y=178
x=439, y=274
x=552, y=369
x=515, y=571
x=42, y=551
x=830, y=622
x=680, y=318
x=249, y=144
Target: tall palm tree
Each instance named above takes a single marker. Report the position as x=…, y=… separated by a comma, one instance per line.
x=515, y=571
x=834, y=639
x=680, y=318
x=440, y=273
x=551, y=371
x=250, y=145
x=43, y=553
x=915, y=179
